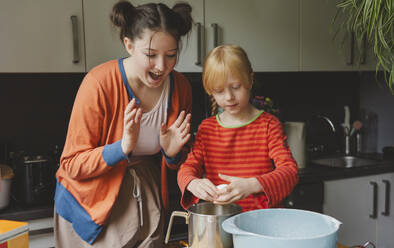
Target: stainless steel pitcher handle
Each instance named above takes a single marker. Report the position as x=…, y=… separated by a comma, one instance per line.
x=369, y=243
x=179, y=214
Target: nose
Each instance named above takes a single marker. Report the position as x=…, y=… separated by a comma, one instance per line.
x=160, y=63
x=228, y=94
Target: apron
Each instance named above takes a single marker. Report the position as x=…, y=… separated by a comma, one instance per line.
x=137, y=217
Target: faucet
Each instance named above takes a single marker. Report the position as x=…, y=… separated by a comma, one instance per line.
x=347, y=144
x=328, y=121
x=348, y=132
x=316, y=148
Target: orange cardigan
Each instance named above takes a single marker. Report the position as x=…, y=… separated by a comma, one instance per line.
x=92, y=164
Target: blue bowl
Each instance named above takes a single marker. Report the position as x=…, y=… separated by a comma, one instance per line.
x=280, y=228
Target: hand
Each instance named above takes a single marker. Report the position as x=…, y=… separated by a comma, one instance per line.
x=131, y=126
x=238, y=189
x=174, y=138
x=203, y=189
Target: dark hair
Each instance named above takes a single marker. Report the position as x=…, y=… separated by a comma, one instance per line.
x=132, y=21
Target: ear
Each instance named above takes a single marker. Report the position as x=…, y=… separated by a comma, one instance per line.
x=128, y=44
x=252, y=78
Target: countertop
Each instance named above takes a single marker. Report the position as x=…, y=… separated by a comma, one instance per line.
x=310, y=174
x=19, y=212
x=317, y=173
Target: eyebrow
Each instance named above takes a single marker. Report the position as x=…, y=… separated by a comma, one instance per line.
x=154, y=50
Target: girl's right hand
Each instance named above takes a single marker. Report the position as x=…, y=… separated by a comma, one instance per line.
x=131, y=126
x=203, y=189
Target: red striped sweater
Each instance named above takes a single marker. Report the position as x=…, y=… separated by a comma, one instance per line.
x=257, y=149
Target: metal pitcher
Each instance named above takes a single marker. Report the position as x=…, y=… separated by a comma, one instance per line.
x=205, y=224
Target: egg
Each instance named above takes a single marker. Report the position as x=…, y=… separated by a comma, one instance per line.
x=221, y=186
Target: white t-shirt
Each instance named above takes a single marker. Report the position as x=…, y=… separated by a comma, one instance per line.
x=149, y=138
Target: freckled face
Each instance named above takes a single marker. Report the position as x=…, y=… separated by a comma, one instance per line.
x=233, y=97
x=153, y=57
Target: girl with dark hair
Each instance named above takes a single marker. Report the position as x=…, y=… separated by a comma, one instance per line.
x=130, y=122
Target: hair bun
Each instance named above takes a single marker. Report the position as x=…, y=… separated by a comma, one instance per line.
x=122, y=13
x=184, y=10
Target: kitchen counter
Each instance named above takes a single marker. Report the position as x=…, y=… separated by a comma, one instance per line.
x=311, y=174
x=18, y=212
x=317, y=173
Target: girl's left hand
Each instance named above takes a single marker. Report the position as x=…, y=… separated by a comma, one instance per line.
x=172, y=139
x=238, y=189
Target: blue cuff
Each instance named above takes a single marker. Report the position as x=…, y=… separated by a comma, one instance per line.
x=174, y=160
x=113, y=154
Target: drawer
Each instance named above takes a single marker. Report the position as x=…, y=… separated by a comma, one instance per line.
x=41, y=233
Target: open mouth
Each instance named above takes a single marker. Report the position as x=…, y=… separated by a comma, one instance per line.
x=155, y=75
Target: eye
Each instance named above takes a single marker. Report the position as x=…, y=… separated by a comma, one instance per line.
x=217, y=91
x=171, y=55
x=237, y=86
x=150, y=55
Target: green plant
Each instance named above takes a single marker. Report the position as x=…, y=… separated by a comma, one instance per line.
x=371, y=21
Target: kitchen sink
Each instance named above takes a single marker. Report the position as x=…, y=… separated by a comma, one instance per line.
x=345, y=161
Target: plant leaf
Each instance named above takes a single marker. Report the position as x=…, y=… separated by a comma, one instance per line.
x=371, y=21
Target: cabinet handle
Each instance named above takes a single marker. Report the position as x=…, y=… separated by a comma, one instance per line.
x=215, y=34
x=41, y=231
x=364, y=50
x=386, y=211
x=74, y=24
x=198, y=62
x=351, y=52
x=375, y=200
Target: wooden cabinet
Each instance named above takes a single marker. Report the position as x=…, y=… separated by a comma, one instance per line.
x=318, y=49
x=385, y=211
x=37, y=36
x=278, y=35
x=350, y=201
x=41, y=233
x=365, y=207
x=103, y=42
x=267, y=30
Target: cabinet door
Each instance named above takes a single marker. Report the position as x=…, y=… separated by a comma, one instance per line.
x=267, y=30
x=37, y=36
x=41, y=233
x=319, y=50
x=351, y=202
x=103, y=42
x=386, y=211
x=101, y=39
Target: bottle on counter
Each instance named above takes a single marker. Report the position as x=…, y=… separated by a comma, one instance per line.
x=369, y=134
